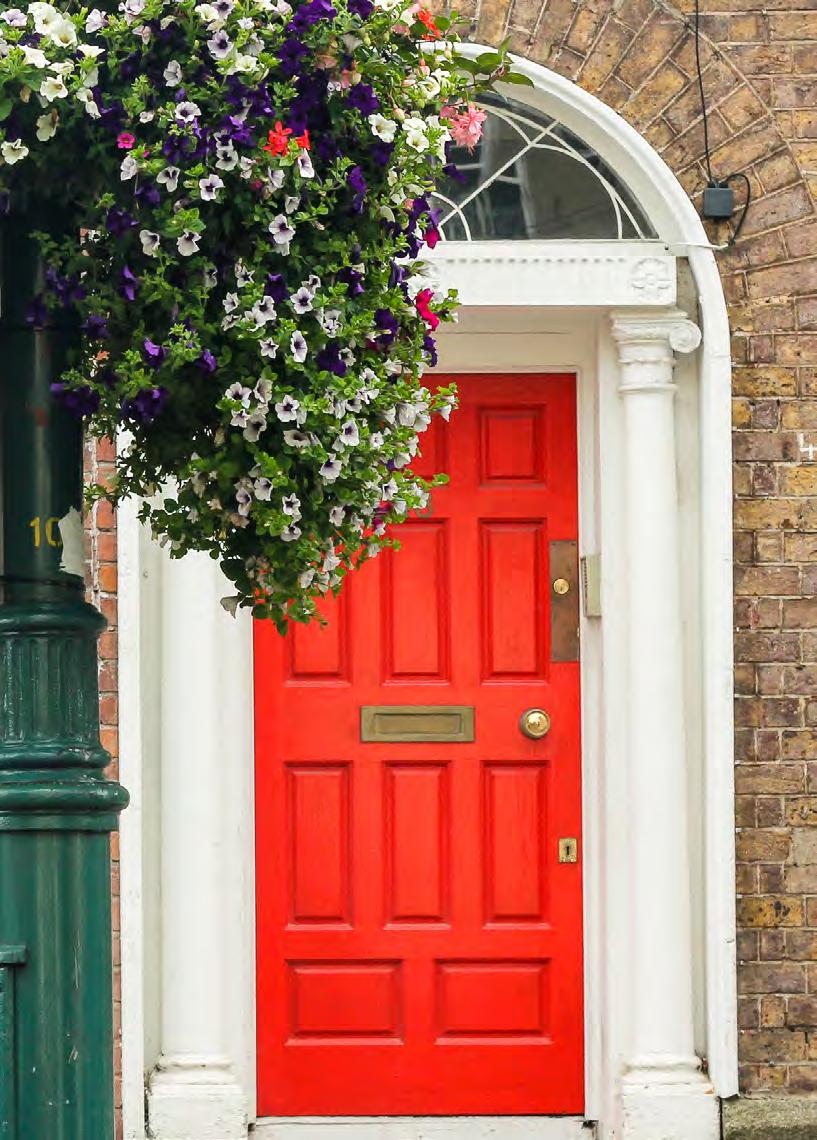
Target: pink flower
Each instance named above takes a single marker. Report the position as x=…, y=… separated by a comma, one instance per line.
x=125, y=140
x=422, y=301
x=465, y=126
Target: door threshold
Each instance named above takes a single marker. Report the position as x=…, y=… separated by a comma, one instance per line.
x=423, y=1128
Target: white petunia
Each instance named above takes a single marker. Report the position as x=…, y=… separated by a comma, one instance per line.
x=383, y=128
x=304, y=164
x=243, y=275
x=45, y=16
x=291, y=204
x=147, y=116
x=173, y=73
x=243, y=496
x=230, y=302
x=226, y=156
x=14, y=18
x=262, y=488
x=291, y=533
x=90, y=51
x=275, y=179
x=133, y=9
x=337, y=515
x=188, y=243
x=86, y=97
x=349, y=435
x=95, y=21
x=287, y=409
x=263, y=390
x=150, y=242
x=255, y=425
x=237, y=391
x=210, y=186
x=187, y=112
x=47, y=127
x=298, y=347
x=263, y=311
x=207, y=13
x=330, y=470
x=13, y=151
x=282, y=232
x=291, y=505
x=220, y=45
x=269, y=348
x=53, y=88
x=296, y=438
x=63, y=34
x=169, y=178
x=129, y=168
x=210, y=277
x=302, y=300
x=35, y=57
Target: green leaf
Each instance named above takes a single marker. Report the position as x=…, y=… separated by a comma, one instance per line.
x=518, y=79
x=489, y=61
x=5, y=108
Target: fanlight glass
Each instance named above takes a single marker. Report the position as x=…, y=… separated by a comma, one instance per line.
x=531, y=179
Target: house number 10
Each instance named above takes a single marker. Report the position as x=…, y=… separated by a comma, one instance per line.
x=50, y=531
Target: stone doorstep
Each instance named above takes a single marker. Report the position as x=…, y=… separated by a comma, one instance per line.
x=770, y=1118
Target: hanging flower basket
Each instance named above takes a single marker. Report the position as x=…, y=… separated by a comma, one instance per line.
x=242, y=190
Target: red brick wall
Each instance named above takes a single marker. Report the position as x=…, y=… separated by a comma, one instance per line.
x=761, y=81
x=101, y=592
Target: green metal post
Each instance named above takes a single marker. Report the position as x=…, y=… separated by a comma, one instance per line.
x=56, y=808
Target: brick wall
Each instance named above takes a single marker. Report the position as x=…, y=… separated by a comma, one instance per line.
x=101, y=592
x=761, y=81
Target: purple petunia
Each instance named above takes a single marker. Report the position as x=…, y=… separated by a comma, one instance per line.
x=145, y=405
x=363, y=99
x=353, y=279
x=329, y=358
x=37, y=312
x=361, y=8
x=154, y=354
x=357, y=183
x=207, y=362
x=80, y=402
x=388, y=325
x=129, y=284
x=276, y=287
x=119, y=221
x=96, y=327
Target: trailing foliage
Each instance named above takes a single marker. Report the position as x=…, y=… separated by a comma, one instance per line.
x=243, y=196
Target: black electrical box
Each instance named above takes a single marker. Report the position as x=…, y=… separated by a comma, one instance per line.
x=719, y=202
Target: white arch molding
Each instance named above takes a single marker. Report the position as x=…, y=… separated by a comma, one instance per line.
x=615, y=313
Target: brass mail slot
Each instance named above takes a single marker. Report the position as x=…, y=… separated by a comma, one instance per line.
x=451, y=723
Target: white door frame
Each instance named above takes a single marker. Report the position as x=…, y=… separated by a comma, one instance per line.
x=214, y=1071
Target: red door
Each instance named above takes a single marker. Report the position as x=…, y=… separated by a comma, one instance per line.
x=419, y=941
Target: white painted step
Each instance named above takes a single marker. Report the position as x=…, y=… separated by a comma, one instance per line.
x=423, y=1128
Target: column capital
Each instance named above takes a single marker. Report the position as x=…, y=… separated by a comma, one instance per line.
x=647, y=342
x=643, y=335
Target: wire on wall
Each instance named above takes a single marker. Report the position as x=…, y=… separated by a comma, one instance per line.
x=719, y=197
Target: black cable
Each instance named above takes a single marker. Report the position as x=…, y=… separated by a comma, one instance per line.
x=712, y=181
x=699, y=72
x=739, y=226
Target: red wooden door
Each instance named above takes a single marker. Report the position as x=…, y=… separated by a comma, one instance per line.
x=419, y=942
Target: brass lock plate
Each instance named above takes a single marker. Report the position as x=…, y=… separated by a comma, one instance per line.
x=568, y=850
x=564, y=601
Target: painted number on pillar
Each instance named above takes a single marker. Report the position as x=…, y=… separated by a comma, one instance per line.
x=48, y=530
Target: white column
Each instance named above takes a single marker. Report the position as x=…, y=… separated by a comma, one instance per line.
x=665, y=1096
x=194, y=1092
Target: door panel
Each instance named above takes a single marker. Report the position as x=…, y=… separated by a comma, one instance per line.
x=419, y=943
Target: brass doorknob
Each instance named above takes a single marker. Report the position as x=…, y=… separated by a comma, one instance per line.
x=534, y=723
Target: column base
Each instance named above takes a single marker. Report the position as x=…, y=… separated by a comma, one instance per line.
x=668, y=1098
x=192, y=1097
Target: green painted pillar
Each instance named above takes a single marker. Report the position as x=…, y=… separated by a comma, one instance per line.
x=56, y=808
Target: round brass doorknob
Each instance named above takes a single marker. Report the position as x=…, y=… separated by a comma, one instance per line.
x=535, y=723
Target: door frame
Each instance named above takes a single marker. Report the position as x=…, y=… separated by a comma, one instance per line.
x=160, y=843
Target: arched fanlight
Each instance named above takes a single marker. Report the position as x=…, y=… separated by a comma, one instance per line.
x=531, y=179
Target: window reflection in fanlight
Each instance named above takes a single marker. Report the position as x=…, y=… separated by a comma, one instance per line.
x=531, y=179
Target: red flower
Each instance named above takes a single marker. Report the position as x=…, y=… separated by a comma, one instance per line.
x=125, y=140
x=303, y=140
x=432, y=31
x=422, y=302
x=278, y=141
